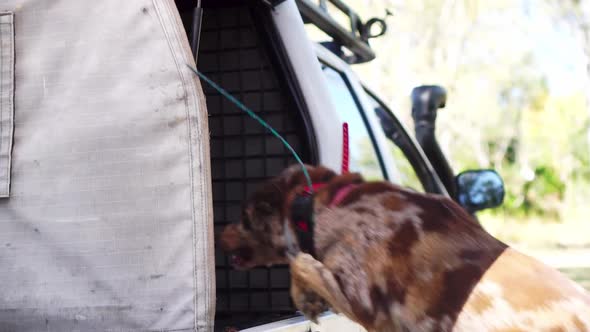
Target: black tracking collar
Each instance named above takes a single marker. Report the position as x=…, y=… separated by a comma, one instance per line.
x=302, y=219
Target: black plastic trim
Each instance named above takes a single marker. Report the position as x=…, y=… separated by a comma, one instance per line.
x=424, y=113
x=315, y=14
x=418, y=161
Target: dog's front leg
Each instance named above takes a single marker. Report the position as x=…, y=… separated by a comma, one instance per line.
x=310, y=279
x=307, y=301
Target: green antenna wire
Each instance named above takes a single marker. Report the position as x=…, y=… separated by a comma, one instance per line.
x=257, y=118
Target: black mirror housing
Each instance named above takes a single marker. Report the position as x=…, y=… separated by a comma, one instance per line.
x=479, y=189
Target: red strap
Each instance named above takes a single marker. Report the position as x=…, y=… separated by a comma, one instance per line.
x=302, y=225
x=345, y=160
x=345, y=149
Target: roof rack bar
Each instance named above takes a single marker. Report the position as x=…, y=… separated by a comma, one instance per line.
x=318, y=15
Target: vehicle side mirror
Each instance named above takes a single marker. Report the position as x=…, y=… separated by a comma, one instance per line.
x=479, y=189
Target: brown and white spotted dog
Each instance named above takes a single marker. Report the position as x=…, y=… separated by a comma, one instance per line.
x=397, y=260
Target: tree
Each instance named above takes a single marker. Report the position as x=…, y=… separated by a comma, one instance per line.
x=501, y=112
x=576, y=14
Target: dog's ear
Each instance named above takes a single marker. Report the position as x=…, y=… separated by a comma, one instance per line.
x=263, y=209
x=257, y=214
x=294, y=176
x=292, y=171
x=321, y=174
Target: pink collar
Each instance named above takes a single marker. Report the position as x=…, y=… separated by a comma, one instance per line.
x=340, y=194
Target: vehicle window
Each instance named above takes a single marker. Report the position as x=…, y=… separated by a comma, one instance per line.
x=397, y=138
x=363, y=155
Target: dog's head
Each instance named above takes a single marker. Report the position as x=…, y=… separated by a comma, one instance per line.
x=259, y=237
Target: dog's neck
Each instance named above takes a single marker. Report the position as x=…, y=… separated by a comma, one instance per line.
x=301, y=203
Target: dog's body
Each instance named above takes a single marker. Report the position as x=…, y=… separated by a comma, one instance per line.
x=396, y=260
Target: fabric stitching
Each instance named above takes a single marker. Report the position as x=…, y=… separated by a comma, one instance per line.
x=6, y=30
x=191, y=163
x=11, y=109
x=2, y=141
x=204, y=181
x=204, y=187
x=170, y=46
x=11, y=106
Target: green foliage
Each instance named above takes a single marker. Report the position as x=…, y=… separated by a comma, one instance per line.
x=540, y=197
x=502, y=111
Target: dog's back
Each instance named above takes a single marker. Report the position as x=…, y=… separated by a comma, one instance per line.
x=518, y=293
x=419, y=262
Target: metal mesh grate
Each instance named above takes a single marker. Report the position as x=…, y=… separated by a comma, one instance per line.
x=243, y=154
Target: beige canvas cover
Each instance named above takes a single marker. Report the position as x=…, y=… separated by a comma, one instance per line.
x=108, y=225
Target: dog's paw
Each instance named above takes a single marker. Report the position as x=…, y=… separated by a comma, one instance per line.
x=308, y=302
x=313, y=306
x=311, y=276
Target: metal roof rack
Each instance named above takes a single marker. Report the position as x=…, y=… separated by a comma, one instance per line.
x=355, y=39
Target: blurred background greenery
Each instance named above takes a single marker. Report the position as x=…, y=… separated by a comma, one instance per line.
x=518, y=79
